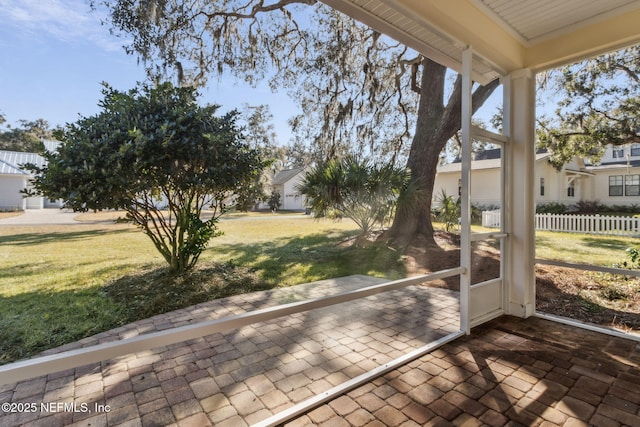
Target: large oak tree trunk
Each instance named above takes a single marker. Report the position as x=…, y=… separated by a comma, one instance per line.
x=436, y=124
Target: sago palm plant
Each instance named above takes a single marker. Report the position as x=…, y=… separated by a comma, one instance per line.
x=356, y=189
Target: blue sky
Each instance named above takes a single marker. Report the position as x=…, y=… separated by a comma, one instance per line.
x=54, y=54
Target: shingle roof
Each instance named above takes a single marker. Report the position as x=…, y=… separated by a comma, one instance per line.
x=487, y=159
x=285, y=175
x=614, y=164
x=11, y=162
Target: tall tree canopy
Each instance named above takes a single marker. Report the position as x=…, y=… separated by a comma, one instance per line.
x=260, y=136
x=360, y=92
x=161, y=157
x=599, y=105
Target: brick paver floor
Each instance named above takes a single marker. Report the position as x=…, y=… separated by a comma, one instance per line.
x=243, y=376
x=510, y=371
x=507, y=372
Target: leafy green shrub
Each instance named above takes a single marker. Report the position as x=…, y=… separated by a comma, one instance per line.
x=149, y=148
x=634, y=255
x=552, y=208
x=274, y=201
x=590, y=207
x=449, y=210
x=357, y=189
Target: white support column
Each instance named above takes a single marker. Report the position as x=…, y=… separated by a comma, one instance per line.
x=465, y=196
x=505, y=202
x=519, y=107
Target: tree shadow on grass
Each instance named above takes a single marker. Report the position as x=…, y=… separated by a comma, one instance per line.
x=253, y=267
x=24, y=270
x=156, y=290
x=31, y=322
x=36, y=317
x=56, y=237
x=613, y=244
x=314, y=257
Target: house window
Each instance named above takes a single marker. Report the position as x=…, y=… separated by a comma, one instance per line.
x=460, y=187
x=635, y=149
x=618, y=153
x=542, y=186
x=615, y=185
x=632, y=185
x=571, y=189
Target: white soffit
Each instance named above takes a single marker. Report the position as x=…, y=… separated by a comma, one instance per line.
x=536, y=21
x=397, y=21
x=505, y=35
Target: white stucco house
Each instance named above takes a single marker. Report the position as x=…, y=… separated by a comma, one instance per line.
x=286, y=183
x=616, y=179
x=613, y=181
x=14, y=178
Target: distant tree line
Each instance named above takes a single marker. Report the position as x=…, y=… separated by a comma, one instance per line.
x=26, y=137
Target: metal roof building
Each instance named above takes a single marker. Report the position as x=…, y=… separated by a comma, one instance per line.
x=14, y=178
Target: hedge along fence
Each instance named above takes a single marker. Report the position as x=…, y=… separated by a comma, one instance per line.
x=587, y=224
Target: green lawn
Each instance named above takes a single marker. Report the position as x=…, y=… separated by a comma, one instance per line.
x=61, y=283
x=584, y=248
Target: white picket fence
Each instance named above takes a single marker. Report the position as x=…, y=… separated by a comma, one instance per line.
x=587, y=224
x=491, y=219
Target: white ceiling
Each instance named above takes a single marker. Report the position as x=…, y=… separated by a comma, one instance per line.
x=505, y=35
x=535, y=21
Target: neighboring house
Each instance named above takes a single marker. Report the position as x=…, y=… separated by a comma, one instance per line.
x=286, y=183
x=14, y=178
x=614, y=181
x=484, y=184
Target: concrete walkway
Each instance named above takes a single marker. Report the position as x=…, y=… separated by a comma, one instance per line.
x=508, y=372
x=53, y=216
